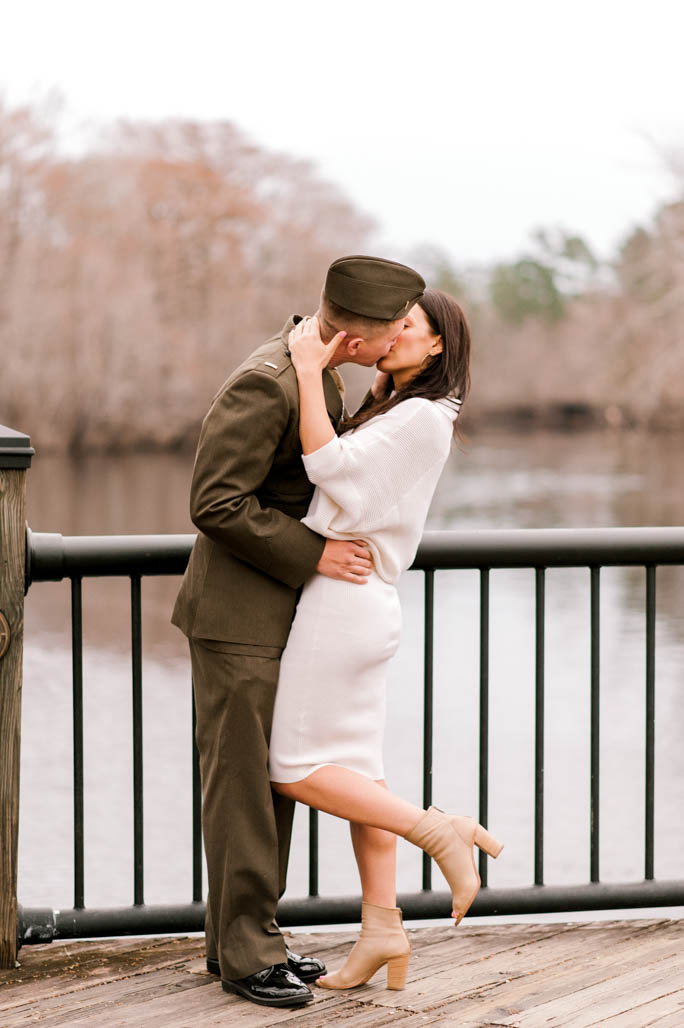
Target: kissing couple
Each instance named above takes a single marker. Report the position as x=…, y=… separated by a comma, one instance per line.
x=306, y=518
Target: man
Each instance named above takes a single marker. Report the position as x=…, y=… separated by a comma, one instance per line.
x=236, y=605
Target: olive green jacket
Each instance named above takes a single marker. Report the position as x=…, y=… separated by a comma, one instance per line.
x=249, y=490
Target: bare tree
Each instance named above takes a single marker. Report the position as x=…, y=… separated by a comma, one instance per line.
x=142, y=271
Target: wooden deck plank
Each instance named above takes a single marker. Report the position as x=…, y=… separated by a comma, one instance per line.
x=60, y=966
x=661, y=1013
x=190, y=1009
x=668, y=1021
x=503, y=999
x=495, y=971
x=621, y=993
x=486, y=963
x=623, y=974
x=95, y=1001
x=458, y=950
x=583, y=967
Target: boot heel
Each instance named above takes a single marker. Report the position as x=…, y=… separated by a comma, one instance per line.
x=396, y=972
x=487, y=842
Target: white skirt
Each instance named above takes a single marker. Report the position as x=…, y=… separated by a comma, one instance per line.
x=330, y=702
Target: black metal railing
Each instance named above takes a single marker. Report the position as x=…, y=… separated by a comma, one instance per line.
x=52, y=557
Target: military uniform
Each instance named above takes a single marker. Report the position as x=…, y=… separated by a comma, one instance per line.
x=236, y=603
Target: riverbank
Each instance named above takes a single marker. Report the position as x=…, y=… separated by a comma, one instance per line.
x=519, y=419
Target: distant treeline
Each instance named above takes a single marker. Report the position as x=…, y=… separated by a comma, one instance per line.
x=134, y=276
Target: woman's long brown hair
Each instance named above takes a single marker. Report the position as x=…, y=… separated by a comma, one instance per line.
x=446, y=373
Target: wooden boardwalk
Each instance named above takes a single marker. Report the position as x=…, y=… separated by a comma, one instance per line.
x=621, y=974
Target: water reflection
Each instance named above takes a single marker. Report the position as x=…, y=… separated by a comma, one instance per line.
x=540, y=480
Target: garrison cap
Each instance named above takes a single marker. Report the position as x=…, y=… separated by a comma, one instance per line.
x=373, y=287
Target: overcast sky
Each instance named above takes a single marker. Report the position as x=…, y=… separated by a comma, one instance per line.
x=461, y=124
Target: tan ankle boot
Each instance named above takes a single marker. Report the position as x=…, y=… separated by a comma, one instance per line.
x=449, y=840
x=382, y=941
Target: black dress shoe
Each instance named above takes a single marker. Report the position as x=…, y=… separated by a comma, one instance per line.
x=273, y=987
x=307, y=969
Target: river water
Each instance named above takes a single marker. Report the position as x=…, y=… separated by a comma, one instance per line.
x=494, y=480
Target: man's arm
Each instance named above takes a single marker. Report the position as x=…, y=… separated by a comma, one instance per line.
x=239, y=438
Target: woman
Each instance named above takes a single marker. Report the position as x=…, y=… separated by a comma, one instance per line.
x=375, y=483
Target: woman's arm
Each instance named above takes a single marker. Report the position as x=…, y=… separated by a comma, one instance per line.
x=310, y=355
x=368, y=471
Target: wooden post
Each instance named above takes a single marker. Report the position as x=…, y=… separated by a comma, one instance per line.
x=15, y=458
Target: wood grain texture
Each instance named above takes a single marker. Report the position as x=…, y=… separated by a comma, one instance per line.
x=12, y=554
x=622, y=973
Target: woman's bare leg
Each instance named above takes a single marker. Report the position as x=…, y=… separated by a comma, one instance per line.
x=352, y=796
x=376, y=857
x=448, y=839
x=382, y=939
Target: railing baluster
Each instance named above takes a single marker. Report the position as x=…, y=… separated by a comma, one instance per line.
x=136, y=639
x=428, y=683
x=595, y=720
x=313, y=852
x=196, y=813
x=484, y=713
x=540, y=598
x=649, y=856
x=77, y=693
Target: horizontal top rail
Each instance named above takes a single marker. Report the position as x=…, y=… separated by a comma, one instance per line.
x=550, y=547
x=50, y=557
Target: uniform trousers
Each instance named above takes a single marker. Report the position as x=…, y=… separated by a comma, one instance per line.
x=246, y=827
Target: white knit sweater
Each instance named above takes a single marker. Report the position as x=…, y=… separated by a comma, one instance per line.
x=377, y=481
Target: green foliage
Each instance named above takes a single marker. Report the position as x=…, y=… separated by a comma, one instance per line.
x=540, y=283
x=558, y=248
x=525, y=289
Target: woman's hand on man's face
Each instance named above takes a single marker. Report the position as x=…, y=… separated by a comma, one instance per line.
x=307, y=350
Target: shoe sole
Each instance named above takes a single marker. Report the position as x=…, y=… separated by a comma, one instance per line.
x=287, y=1001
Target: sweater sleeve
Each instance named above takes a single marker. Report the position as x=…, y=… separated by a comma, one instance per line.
x=367, y=472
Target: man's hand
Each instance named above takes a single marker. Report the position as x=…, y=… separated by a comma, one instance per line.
x=349, y=562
